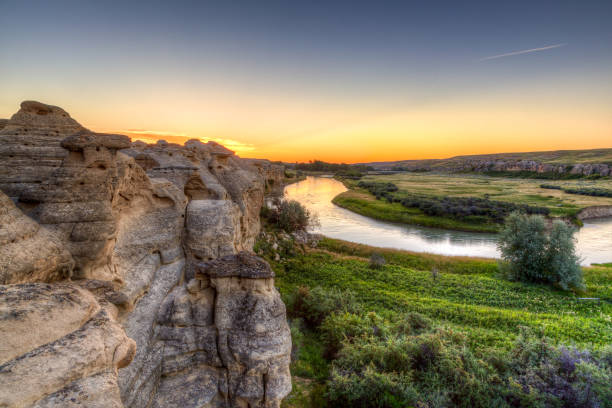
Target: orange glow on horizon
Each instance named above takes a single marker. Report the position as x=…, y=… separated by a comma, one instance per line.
x=413, y=135
x=293, y=130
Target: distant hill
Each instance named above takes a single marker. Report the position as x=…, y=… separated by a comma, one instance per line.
x=580, y=162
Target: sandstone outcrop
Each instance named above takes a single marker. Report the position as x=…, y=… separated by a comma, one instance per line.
x=596, y=211
x=132, y=265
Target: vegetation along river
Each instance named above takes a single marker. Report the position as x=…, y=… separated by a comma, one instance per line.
x=594, y=240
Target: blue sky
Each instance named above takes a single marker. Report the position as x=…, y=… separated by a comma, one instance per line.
x=278, y=77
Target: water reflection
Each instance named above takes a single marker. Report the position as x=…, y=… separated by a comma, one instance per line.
x=316, y=193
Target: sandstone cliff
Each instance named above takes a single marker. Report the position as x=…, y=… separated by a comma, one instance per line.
x=126, y=272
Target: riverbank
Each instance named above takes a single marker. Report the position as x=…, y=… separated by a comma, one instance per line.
x=459, y=295
x=523, y=192
x=316, y=193
x=366, y=204
x=292, y=176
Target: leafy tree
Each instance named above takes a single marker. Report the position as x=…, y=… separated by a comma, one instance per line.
x=562, y=262
x=531, y=253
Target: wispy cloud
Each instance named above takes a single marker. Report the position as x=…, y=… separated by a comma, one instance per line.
x=230, y=144
x=509, y=54
x=152, y=136
x=152, y=132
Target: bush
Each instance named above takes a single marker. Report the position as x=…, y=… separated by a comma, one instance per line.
x=469, y=208
x=289, y=216
x=339, y=328
x=314, y=305
x=377, y=261
x=370, y=388
x=563, y=265
x=558, y=376
x=595, y=192
x=530, y=253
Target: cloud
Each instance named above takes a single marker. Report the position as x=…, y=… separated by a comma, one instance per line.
x=509, y=54
x=152, y=136
x=230, y=144
x=152, y=132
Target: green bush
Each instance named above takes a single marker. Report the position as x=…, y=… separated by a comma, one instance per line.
x=595, y=192
x=377, y=261
x=314, y=305
x=339, y=328
x=288, y=215
x=531, y=253
x=370, y=388
x=563, y=265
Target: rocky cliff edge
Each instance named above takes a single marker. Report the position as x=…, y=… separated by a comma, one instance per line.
x=127, y=277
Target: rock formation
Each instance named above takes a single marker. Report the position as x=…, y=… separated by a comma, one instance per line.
x=127, y=269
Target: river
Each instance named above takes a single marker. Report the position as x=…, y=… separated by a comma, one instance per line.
x=594, y=240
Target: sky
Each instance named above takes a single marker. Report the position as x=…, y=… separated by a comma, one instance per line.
x=340, y=81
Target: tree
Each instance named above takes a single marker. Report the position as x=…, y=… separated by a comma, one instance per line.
x=289, y=215
x=531, y=253
x=562, y=262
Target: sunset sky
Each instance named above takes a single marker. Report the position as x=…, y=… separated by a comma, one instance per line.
x=332, y=80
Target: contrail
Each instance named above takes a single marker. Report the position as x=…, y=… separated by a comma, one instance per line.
x=549, y=47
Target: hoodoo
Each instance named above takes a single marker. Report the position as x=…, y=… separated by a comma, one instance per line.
x=127, y=277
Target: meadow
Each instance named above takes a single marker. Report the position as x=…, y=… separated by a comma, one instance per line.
x=461, y=296
x=512, y=190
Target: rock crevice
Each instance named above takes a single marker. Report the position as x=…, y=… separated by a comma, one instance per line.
x=133, y=264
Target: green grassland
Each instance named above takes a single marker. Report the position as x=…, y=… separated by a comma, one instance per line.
x=466, y=296
x=518, y=191
x=467, y=293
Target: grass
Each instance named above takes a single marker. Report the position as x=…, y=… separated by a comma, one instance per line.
x=466, y=295
x=518, y=191
x=366, y=204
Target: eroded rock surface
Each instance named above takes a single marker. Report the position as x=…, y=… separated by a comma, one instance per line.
x=128, y=269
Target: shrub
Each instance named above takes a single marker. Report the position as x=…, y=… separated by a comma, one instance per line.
x=551, y=187
x=297, y=338
x=558, y=376
x=377, y=261
x=370, y=388
x=339, y=328
x=532, y=254
x=314, y=305
x=412, y=323
x=522, y=243
x=563, y=265
x=289, y=216
x=471, y=209
x=595, y=192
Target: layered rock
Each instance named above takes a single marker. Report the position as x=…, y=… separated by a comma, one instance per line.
x=61, y=346
x=134, y=241
x=28, y=252
x=225, y=327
